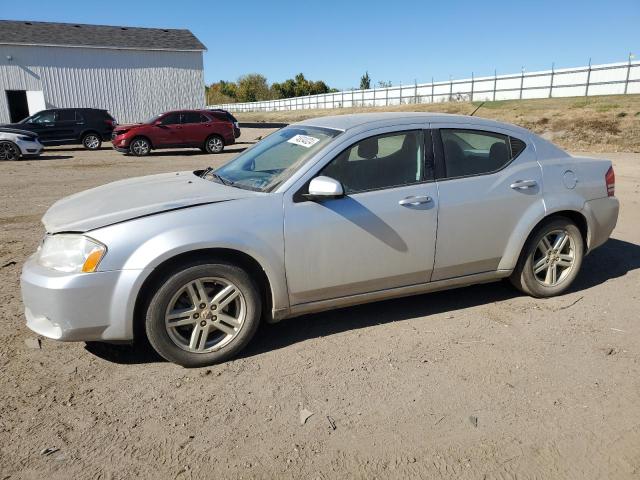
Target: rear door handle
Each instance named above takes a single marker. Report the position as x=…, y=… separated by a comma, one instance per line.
x=415, y=200
x=524, y=184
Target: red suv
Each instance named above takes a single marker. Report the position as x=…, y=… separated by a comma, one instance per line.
x=186, y=128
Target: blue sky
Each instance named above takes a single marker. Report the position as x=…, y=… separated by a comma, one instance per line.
x=399, y=41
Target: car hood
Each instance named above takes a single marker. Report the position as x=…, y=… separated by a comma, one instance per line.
x=136, y=197
x=14, y=128
x=127, y=126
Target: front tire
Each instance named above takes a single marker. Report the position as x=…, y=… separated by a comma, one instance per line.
x=214, y=144
x=9, y=151
x=203, y=314
x=551, y=259
x=140, y=147
x=92, y=141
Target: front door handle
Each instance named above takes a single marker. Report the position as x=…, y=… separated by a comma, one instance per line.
x=524, y=184
x=415, y=200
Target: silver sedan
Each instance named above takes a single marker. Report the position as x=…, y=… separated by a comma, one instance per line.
x=322, y=214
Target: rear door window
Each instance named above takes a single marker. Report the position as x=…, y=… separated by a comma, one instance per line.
x=66, y=115
x=191, y=117
x=477, y=152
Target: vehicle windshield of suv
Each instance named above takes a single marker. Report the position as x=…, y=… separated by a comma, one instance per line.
x=151, y=120
x=274, y=159
x=40, y=117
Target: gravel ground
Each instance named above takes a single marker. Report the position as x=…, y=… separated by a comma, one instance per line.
x=478, y=383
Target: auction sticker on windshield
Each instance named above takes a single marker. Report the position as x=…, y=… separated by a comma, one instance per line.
x=304, y=140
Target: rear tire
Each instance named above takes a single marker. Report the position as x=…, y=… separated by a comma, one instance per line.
x=550, y=260
x=214, y=144
x=91, y=141
x=140, y=147
x=203, y=314
x=9, y=151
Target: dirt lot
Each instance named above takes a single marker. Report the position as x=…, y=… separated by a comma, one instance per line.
x=478, y=383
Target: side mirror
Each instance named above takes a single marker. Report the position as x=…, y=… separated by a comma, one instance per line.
x=324, y=188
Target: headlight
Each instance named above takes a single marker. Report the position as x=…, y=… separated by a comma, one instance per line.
x=71, y=253
x=24, y=138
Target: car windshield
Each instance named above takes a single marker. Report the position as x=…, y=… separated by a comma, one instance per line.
x=274, y=159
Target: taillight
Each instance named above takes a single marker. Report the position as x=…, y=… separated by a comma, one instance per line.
x=610, y=179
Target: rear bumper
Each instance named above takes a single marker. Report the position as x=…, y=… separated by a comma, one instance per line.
x=602, y=216
x=79, y=306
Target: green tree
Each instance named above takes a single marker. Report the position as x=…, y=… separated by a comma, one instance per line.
x=252, y=88
x=217, y=93
x=301, y=85
x=230, y=89
x=365, y=81
x=286, y=89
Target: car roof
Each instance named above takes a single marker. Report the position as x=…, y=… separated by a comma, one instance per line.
x=197, y=110
x=349, y=121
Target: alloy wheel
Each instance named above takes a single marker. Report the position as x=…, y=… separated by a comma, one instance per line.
x=554, y=258
x=215, y=145
x=8, y=151
x=140, y=147
x=91, y=142
x=205, y=314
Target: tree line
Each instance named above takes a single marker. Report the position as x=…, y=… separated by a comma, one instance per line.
x=254, y=87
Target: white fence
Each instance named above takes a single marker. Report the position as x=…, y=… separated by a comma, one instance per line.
x=606, y=79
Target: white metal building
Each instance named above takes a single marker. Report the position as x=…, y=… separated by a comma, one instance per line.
x=132, y=72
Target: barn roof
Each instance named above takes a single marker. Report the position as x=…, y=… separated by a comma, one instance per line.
x=97, y=36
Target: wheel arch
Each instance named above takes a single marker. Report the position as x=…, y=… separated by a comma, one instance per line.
x=6, y=140
x=221, y=137
x=514, y=251
x=142, y=135
x=88, y=131
x=236, y=257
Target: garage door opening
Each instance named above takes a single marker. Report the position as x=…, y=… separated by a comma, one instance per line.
x=18, y=105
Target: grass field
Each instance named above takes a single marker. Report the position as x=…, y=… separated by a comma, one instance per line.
x=604, y=124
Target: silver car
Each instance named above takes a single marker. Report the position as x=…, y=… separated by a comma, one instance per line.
x=321, y=214
x=16, y=144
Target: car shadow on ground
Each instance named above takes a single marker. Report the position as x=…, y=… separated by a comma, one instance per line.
x=614, y=259
x=45, y=157
x=188, y=153
x=76, y=149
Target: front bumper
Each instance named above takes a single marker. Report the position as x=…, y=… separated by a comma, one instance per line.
x=121, y=144
x=30, y=148
x=78, y=306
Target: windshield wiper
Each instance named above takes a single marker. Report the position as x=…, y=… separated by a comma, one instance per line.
x=222, y=180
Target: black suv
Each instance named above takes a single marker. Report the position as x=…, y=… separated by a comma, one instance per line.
x=65, y=126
